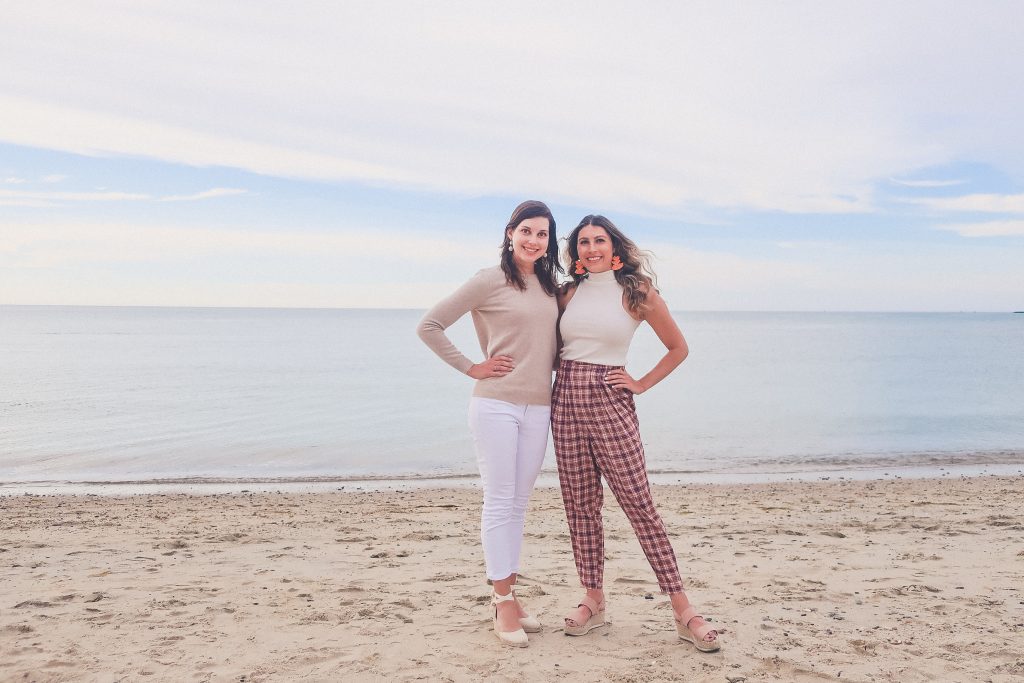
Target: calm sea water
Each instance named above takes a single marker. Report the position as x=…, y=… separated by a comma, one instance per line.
x=141, y=394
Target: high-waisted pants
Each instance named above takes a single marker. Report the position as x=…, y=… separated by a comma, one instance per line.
x=596, y=433
x=510, y=442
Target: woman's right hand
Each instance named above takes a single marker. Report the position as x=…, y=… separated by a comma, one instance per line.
x=496, y=366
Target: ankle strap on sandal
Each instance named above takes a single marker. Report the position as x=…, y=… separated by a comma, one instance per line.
x=496, y=598
x=591, y=605
x=687, y=615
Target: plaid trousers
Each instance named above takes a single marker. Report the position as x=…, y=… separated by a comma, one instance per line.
x=596, y=433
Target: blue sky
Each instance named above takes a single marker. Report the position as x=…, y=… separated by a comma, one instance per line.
x=786, y=156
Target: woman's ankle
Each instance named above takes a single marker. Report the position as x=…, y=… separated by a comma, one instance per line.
x=596, y=594
x=679, y=601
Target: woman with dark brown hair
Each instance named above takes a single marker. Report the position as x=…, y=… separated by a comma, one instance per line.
x=515, y=315
x=593, y=416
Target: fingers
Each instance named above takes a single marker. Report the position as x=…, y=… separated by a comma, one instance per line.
x=619, y=379
x=500, y=366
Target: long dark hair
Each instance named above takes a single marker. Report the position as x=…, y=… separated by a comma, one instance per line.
x=636, y=275
x=547, y=266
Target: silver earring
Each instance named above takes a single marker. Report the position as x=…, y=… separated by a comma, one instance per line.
x=510, y=247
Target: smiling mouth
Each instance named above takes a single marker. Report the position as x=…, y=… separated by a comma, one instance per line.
x=594, y=258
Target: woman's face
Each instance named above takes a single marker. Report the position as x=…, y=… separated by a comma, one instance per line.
x=529, y=241
x=595, y=248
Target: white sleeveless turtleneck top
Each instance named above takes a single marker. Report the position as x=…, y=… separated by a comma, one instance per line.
x=595, y=326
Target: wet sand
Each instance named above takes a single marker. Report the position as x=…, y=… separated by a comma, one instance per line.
x=896, y=580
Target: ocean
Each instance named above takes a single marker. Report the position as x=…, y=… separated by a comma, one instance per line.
x=135, y=397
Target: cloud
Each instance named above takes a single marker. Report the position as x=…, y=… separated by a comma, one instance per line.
x=31, y=198
x=16, y=195
x=985, y=203
x=33, y=203
x=808, y=244
x=57, y=244
x=883, y=276
x=986, y=229
x=96, y=133
x=707, y=279
x=53, y=178
x=207, y=194
x=98, y=262
x=927, y=183
x=11, y=180
x=697, y=105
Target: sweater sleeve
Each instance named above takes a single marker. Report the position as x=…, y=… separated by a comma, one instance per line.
x=444, y=314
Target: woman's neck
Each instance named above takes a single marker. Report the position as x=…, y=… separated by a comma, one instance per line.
x=525, y=270
x=605, y=276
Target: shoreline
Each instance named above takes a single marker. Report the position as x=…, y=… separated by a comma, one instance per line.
x=547, y=479
x=874, y=580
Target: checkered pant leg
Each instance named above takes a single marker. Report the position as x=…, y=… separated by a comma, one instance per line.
x=582, y=495
x=596, y=432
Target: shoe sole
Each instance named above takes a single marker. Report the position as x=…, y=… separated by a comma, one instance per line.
x=584, y=630
x=707, y=647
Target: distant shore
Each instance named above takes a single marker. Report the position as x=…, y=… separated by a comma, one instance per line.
x=900, y=579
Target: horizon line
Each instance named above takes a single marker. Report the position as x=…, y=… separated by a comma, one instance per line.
x=417, y=308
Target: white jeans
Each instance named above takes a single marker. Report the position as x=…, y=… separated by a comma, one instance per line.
x=510, y=442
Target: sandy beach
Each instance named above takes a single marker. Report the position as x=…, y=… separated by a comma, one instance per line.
x=894, y=580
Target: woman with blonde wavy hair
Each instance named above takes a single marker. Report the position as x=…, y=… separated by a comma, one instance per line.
x=593, y=416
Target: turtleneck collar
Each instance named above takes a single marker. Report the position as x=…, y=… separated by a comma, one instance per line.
x=606, y=276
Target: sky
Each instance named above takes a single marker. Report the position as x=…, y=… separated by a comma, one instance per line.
x=841, y=156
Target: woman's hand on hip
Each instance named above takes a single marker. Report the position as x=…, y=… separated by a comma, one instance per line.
x=620, y=379
x=496, y=366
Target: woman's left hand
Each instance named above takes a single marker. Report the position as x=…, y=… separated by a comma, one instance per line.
x=620, y=379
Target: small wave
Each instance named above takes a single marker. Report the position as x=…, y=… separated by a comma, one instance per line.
x=857, y=461
x=199, y=481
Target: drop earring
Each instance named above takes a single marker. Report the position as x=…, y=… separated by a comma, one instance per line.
x=580, y=270
x=616, y=263
x=510, y=247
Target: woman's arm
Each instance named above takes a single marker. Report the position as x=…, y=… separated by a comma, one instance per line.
x=660, y=320
x=562, y=295
x=444, y=314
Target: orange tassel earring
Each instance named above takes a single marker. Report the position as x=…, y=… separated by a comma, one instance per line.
x=580, y=270
x=616, y=263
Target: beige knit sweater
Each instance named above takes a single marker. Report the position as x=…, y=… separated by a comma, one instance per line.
x=510, y=322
